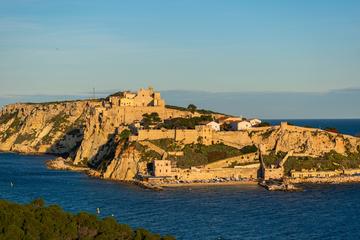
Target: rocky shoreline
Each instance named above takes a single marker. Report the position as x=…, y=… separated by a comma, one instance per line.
x=60, y=163
x=212, y=182
x=327, y=180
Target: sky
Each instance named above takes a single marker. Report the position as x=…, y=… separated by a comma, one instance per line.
x=69, y=47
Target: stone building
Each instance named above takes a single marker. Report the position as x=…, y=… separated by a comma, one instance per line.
x=141, y=98
x=162, y=168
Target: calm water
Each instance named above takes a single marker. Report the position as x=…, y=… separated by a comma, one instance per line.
x=234, y=212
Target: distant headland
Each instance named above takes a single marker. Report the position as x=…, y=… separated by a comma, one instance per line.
x=135, y=136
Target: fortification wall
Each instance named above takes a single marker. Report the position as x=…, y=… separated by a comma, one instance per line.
x=202, y=174
x=187, y=136
x=246, y=158
x=238, y=138
x=155, y=134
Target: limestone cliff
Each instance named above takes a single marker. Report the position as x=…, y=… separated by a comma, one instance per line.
x=55, y=128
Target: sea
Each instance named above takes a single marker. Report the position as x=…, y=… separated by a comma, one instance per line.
x=203, y=212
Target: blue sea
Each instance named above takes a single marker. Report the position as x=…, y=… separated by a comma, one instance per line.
x=345, y=126
x=226, y=212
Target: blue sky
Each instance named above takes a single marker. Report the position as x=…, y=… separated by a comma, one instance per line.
x=71, y=46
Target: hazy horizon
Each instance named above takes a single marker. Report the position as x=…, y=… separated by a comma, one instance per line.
x=336, y=104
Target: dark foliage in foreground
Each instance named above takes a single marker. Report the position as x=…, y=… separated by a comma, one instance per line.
x=36, y=221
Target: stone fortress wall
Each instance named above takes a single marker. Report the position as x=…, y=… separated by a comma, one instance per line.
x=210, y=174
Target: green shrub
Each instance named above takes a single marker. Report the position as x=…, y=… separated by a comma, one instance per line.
x=125, y=134
x=186, y=123
x=37, y=221
x=13, y=128
x=7, y=117
x=24, y=137
x=249, y=149
x=263, y=124
x=168, y=144
x=267, y=133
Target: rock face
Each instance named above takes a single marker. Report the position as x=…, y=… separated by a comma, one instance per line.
x=55, y=128
x=88, y=133
x=125, y=166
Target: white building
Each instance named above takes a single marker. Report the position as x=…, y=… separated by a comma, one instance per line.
x=240, y=125
x=254, y=121
x=214, y=125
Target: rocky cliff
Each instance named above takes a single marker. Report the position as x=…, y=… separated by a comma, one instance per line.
x=55, y=128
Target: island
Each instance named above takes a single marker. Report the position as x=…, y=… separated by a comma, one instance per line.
x=135, y=137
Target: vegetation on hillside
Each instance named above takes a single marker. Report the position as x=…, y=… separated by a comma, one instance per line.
x=37, y=221
x=24, y=137
x=147, y=155
x=198, y=154
x=168, y=144
x=201, y=111
x=273, y=159
x=4, y=118
x=150, y=119
x=328, y=162
x=186, y=123
x=14, y=127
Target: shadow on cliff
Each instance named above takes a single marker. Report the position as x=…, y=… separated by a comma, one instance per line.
x=68, y=144
x=113, y=147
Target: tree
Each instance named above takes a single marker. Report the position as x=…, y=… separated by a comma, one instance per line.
x=263, y=124
x=38, y=221
x=192, y=108
x=150, y=119
x=125, y=134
